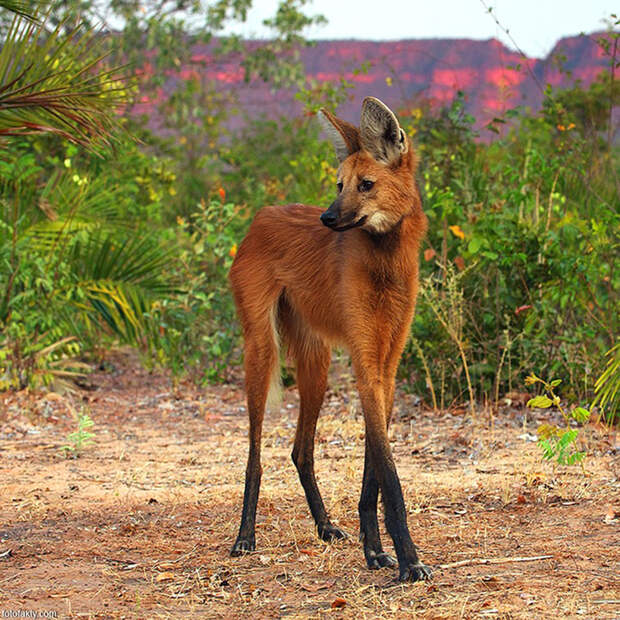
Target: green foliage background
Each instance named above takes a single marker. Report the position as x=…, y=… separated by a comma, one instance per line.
x=131, y=243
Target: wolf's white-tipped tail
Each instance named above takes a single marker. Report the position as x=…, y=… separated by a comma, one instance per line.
x=274, y=395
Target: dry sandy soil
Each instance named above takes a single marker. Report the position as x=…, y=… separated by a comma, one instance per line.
x=140, y=525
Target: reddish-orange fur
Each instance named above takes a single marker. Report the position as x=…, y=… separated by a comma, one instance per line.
x=297, y=281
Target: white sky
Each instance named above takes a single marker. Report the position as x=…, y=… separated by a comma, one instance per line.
x=535, y=25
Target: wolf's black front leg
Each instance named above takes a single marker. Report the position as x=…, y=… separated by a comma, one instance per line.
x=369, y=525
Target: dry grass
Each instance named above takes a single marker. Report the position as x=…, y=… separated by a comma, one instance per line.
x=141, y=524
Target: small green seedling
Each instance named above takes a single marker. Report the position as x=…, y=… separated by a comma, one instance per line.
x=81, y=438
x=557, y=444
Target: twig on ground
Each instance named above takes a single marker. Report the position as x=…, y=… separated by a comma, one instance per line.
x=494, y=561
x=183, y=557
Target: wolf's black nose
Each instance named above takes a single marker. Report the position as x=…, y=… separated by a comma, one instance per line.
x=329, y=219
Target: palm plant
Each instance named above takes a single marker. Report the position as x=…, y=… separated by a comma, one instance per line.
x=115, y=281
x=73, y=266
x=49, y=81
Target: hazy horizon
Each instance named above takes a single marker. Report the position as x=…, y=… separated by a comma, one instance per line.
x=534, y=25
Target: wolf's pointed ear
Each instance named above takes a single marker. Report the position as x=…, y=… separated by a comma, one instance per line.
x=380, y=133
x=344, y=136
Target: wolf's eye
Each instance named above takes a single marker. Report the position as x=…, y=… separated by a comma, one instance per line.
x=339, y=186
x=366, y=185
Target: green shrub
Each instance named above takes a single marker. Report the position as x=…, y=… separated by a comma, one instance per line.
x=533, y=246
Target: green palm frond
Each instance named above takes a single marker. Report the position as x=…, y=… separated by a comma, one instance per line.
x=24, y=8
x=67, y=208
x=49, y=82
x=48, y=235
x=608, y=385
x=119, y=306
x=117, y=283
x=139, y=259
x=88, y=198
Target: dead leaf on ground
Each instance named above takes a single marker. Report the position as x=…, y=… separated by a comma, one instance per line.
x=165, y=576
x=338, y=603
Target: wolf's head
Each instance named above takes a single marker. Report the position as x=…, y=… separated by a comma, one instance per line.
x=375, y=177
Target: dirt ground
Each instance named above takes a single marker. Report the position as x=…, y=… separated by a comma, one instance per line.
x=140, y=525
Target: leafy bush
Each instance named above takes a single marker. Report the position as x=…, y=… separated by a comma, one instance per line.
x=557, y=444
x=74, y=267
x=80, y=438
x=532, y=245
x=197, y=327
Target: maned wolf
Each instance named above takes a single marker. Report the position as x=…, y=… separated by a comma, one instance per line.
x=347, y=276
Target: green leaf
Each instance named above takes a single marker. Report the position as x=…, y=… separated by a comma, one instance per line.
x=580, y=414
x=575, y=457
x=568, y=437
x=546, y=431
x=539, y=402
x=547, y=448
x=475, y=244
x=555, y=382
x=490, y=255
